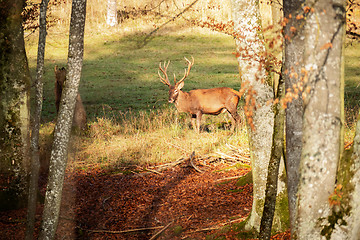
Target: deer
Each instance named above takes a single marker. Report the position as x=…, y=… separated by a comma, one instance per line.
x=79, y=120
x=197, y=102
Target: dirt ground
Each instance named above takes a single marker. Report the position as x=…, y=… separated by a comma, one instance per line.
x=177, y=203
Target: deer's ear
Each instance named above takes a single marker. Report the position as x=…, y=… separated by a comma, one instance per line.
x=180, y=86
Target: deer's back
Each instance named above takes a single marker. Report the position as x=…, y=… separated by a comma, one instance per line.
x=213, y=100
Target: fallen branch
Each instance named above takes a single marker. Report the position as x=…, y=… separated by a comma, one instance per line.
x=154, y=171
x=206, y=229
x=219, y=226
x=191, y=162
x=156, y=235
x=124, y=231
x=228, y=178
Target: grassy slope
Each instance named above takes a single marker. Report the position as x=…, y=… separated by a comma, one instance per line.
x=120, y=76
x=130, y=119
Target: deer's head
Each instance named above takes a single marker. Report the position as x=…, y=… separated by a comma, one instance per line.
x=174, y=90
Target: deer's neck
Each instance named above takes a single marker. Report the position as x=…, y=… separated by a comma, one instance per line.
x=182, y=101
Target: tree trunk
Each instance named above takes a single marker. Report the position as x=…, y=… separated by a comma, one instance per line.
x=274, y=166
x=111, y=14
x=293, y=53
x=35, y=164
x=63, y=125
x=251, y=58
x=344, y=221
x=14, y=107
x=322, y=117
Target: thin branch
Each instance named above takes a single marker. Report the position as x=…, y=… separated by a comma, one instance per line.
x=124, y=231
x=148, y=37
x=192, y=163
x=161, y=231
x=228, y=178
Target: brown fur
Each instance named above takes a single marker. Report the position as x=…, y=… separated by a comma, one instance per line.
x=79, y=120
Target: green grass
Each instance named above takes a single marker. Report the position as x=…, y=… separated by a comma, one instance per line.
x=118, y=76
x=130, y=120
x=351, y=93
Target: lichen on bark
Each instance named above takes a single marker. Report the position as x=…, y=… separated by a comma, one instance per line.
x=14, y=107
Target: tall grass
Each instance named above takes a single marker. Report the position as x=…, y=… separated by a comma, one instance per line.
x=148, y=138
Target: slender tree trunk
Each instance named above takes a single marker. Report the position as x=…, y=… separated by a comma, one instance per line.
x=35, y=164
x=293, y=55
x=344, y=220
x=322, y=119
x=251, y=58
x=111, y=15
x=63, y=125
x=14, y=107
x=274, y=166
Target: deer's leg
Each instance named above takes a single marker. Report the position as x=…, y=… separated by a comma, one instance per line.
x=235, y=121
x=232, y=109
x=198, y=120
x=193, y=119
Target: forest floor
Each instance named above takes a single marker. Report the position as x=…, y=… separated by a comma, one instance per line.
x=180, y=202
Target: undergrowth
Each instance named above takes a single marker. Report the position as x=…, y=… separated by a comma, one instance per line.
x=145, y=139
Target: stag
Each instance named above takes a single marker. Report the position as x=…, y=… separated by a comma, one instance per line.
x=201, y=101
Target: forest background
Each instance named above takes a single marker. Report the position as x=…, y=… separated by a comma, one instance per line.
x=113, y=121
x=120, y=86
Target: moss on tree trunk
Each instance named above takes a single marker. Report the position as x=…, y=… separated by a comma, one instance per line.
x=14, y=107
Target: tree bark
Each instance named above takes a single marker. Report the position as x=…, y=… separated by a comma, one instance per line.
x=344, y=220
x=347, y=213
x=277, y=151
x=111, y=14
x=14, y=107
x=322, y=119
x=35, y=163
x=251, y=58
x=293, y=54
x=63, y=125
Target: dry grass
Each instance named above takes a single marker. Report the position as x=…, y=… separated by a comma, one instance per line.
x=139, y=15
x=145, y=139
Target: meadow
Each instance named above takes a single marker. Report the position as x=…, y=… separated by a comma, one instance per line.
x=130, y=121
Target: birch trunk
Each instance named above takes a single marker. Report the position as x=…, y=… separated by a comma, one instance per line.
x=14, y=107
x=59, y=151
x=111, y=14
x=273, y=167
x=350, y=172
x=35, y=163
x=250, y=55
x=293, y=54
x=344, y=221
x=322, y=119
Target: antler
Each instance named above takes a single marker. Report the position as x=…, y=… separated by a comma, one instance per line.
x=164, y=69
x=190, y=64
x=166, y=79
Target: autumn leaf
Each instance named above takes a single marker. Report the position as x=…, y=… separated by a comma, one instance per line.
x=306, y=9
x=326, y=46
